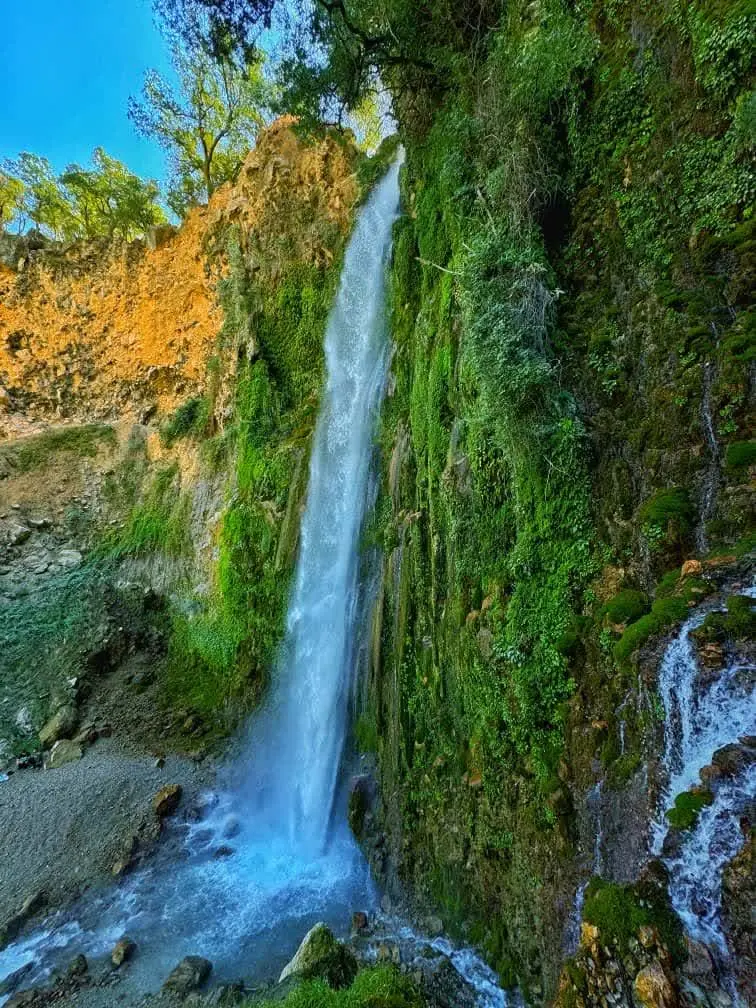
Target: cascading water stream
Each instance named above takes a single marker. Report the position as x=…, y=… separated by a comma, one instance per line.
x=701, y=718
x=289, y=858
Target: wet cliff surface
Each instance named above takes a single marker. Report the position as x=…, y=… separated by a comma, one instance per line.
x=567, y=426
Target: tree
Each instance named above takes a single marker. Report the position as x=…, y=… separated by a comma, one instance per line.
x=105, y=200
x=43, y=201
x=207, y=125
x=11, y=199
x=108, y=200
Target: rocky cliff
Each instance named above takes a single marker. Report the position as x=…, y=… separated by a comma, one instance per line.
x=157, y=402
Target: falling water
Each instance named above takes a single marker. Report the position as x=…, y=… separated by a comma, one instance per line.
x=289, y=859
x=710, y=482
x=700, y=718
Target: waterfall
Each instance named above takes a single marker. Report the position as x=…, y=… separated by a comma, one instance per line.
x=289, y=773
x=699, y=719
x=288, y=860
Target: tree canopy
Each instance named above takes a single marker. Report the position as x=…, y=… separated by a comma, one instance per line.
x=104, y=200
x=207, y=124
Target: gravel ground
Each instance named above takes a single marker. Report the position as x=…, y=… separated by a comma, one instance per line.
x=63, y=830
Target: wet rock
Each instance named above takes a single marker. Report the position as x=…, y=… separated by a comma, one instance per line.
x=654, y=989
x=61, y=725
x=443, y=986
x=433, y=926
x=64, y=751
x=321, y=956
x=166, y=801
x=738, y=902
x=189, y=975
x=14, y=981
x=32, y=761
x=731, y=759
x=77, y=967
x=12, y=927
x=123, y=950
x=359, y=921
x=224, y=851
x=699, y=965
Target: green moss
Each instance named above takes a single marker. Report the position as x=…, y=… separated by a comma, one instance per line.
x=684, y=814
x=738, y=621
x=626, y=607
x=741, y=454
x=669, y=511
x=671, y=605
x=158, y=523
x=41, y=450
x=379, y=987
x=619, y=911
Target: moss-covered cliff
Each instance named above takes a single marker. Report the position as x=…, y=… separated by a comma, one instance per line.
x=568, y=423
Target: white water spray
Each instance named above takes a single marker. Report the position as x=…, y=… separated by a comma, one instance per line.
x=699, y=719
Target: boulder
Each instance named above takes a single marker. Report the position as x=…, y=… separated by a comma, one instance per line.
x=443, y=986
x=691, y=568
x=13, y=982
x=321, y=956
x=123, y=950
x=166, y=801
x=359, y=921
x=18, y=533
x=78, y=966
x=654, y=989
x=61, y=725
x=190, y=974
x=731, y=759
x=64, y=751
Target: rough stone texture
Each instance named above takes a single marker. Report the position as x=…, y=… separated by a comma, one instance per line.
x=321, y=956
x=654, y=989
x=190, y=974
x=166, y=801
x=123, y=950
x=64, y=751
x=61, y=725
x=739, y=915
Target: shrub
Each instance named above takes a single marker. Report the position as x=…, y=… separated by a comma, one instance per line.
x=670, y=511
x=191, y=417
x=380, y=987
x=741, y=454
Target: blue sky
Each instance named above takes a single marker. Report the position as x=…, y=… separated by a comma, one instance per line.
x=67, y=68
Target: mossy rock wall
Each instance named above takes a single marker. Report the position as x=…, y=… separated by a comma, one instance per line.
x=570, y=316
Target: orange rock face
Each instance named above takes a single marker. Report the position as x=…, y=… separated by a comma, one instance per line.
x=97, y=331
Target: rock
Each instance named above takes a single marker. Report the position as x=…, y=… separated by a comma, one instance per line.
x=190, y=974
x=6, y=403
x=86, y=736
x=731, y=759
x=39, y=523
x=224, y=851
x=77, y=967
x=64, y=751
x=61, y=725
x=32, y=761
x=654, y=989
x=691, y=568
x=11, y=928
x=359, y=920
x=13, y=982
x=69, y=558
x=433, y=926
x=166, y=801
x=123, y=950
x=321, y=956
x=699, y=965
x=18, y=533
x=443, y=986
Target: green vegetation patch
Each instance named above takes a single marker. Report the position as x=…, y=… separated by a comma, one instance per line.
x=684, y=814
x=738, y=621
x=619, y=911
x=671, y=605
x=43, y=449
x=379, y=987
x=626, y=607
x=741, y=454
x=189, y=419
